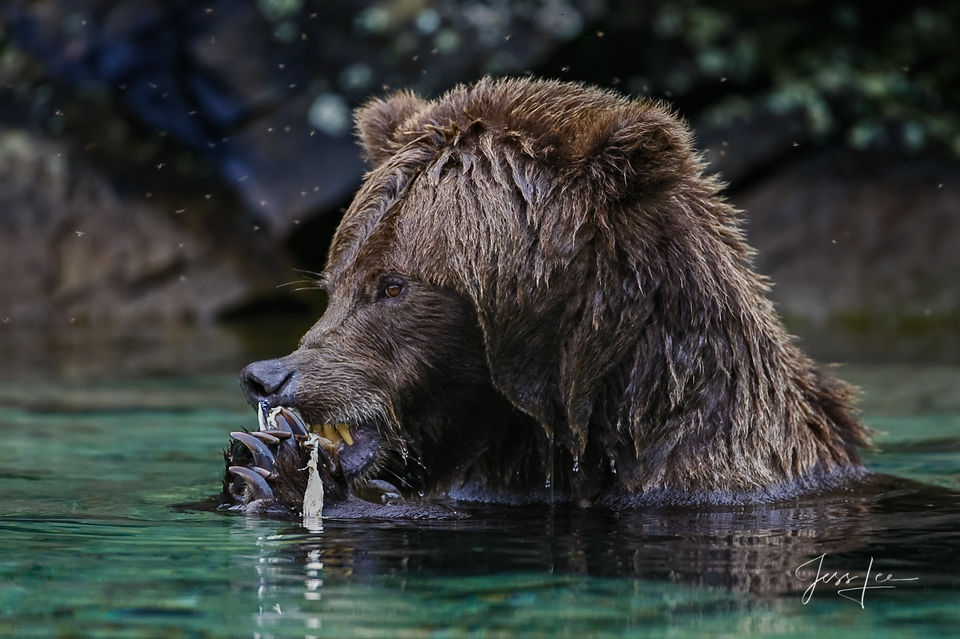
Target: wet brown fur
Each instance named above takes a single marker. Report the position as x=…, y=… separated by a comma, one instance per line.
x=567, y=239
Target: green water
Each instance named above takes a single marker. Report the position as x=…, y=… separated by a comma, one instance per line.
x=96, y=460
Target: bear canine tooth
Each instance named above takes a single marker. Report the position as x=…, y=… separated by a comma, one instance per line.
x=266, y=437
x=344, y=431
x=330, y=433
x=261, y=454
x=256, y=485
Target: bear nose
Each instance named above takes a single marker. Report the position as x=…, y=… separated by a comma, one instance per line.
x=269, y=380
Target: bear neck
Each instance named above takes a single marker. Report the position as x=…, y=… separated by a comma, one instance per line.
x=714, y=400
x=677, y=379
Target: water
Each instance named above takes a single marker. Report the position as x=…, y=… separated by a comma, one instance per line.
x=100, y=453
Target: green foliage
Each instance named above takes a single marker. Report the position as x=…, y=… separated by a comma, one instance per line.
x=871, y=79
x=871, y=74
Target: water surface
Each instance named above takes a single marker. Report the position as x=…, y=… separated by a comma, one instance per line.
x=96, y=461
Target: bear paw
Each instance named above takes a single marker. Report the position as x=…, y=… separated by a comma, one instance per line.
x=267, y=470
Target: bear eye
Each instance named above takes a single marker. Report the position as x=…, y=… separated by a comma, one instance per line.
x=392, y=289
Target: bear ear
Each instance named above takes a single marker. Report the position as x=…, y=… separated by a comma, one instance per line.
x=635, y=153
x=378, y=120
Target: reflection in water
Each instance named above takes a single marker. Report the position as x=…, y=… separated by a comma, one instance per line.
x=95, y=456
x=314, y=580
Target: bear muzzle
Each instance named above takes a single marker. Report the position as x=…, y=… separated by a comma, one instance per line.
x=272, y=384
x=269, y=381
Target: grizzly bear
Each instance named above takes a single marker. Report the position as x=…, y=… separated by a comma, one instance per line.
x=538, y=294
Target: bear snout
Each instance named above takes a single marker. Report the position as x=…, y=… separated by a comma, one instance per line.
x=270, y=381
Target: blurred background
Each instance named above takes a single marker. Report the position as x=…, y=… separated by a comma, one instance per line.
x=170, y=170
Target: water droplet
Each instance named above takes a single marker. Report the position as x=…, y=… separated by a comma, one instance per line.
x=576, y=464
x=550, y=459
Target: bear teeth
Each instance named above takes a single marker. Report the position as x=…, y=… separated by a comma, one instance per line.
x=344, y=431
x=334, y=432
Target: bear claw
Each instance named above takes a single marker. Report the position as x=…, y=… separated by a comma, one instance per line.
x=279, y=434
x=262, y=456
x=266, y=468
x=256, y=483
x=265, y=437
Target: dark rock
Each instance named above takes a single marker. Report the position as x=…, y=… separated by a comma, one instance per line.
x=749, y=148
x=73, y=250
x=286, y=171
x=847, y=235
x=265, y=90
x=260, y=95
